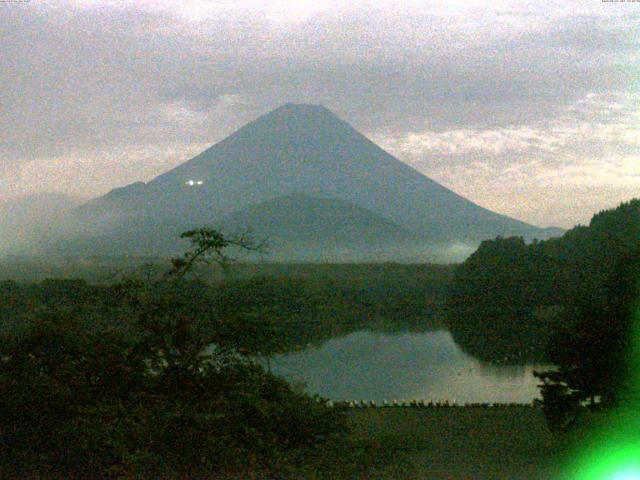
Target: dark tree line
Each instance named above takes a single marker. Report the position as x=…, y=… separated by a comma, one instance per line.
x=509, y=296
x=297, y=308
x=497, y=300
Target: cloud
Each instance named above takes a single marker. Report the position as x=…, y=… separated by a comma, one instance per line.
x=115, y=88
x=589, y=152
x=611, y=120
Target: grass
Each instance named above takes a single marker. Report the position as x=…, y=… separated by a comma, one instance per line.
x=462, y=443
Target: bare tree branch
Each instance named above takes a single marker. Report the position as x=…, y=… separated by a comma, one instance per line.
x=207, y=246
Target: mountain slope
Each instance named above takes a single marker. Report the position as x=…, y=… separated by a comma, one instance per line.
x=306, y=149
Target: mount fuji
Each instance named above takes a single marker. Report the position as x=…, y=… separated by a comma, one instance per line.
x=306, y=177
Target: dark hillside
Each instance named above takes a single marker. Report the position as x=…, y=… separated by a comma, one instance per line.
x=508, y=296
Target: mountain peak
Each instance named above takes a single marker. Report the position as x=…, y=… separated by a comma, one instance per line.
x=301, y=112
x=296, y=126
x=302, y=108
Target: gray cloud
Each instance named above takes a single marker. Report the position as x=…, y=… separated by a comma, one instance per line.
x=95, y=97
x=578, y=161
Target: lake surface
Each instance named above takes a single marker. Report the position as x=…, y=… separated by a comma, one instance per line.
x=405, y=366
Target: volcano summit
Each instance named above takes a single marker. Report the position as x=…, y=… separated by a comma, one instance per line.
x=296, y=152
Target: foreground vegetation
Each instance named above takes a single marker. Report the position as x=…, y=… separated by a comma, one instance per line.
x=145, y=379
x=460, y=443
x=596, y=352
x=154, y=373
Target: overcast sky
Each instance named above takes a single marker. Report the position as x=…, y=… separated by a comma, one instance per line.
x=530, y=109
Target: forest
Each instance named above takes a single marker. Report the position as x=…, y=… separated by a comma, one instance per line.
x=509, y=296
x=302, y=303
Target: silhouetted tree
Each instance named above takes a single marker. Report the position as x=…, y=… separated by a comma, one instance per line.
x=594, y=351
x=209, y=245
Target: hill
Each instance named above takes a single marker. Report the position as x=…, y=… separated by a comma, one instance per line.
x=309, y=228
x=507, y=298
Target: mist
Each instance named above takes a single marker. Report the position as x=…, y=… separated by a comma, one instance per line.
x=49, y=226
x=28, y=223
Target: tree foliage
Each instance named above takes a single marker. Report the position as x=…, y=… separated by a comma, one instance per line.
x=209, y=245
x=491, y=303
x=146, y=380
x=507, y=298
x=594, y=351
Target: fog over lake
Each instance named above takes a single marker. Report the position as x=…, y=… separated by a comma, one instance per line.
x=405, y=366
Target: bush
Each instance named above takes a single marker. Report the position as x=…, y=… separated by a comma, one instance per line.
x=157, y=400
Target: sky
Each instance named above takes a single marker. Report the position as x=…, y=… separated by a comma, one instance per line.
x=530, y=109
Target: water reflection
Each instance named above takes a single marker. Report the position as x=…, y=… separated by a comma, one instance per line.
x=377, y=366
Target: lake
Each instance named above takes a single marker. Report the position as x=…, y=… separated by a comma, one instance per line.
x=375, y=366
